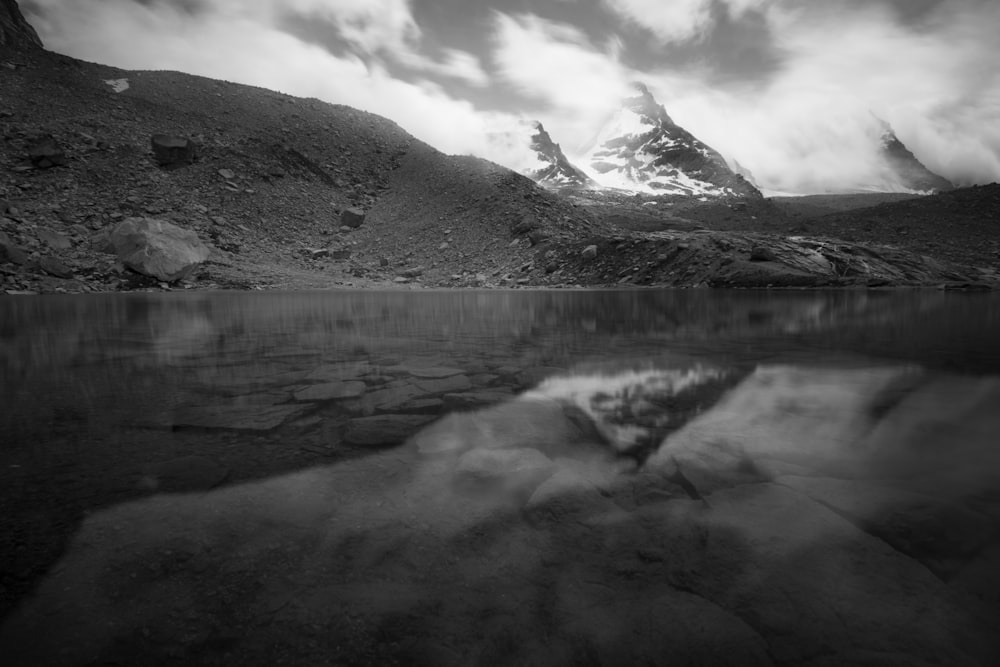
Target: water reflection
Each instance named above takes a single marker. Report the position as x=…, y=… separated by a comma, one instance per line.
x=617, y=477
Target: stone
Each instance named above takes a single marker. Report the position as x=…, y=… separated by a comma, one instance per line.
x=54, y=240
x=227, y=174
x=590, y=252
x=183, y=474
x=762, y=254
x=567, y=494
x=352, y=218
x=55, y=267
x=172, y=151
x=412, y=272
x=237, y=417
x=10, y=252
x=158, y=248
x=45, y=152
x=101, y=242
x=383, y=430
x=537, y=237
x=331, y=391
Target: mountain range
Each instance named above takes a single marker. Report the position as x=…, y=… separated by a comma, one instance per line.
x=640, y=148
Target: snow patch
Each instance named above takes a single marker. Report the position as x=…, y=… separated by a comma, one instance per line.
x=117, y=85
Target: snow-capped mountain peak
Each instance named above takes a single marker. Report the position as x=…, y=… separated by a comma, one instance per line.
x=641, y=148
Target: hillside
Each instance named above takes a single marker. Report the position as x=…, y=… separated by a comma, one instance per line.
x=274, y=174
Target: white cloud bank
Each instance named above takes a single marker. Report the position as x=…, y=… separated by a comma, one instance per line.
x=807, y=128
x=810, y=128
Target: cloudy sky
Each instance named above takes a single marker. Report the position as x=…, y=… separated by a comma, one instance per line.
x=789, y=88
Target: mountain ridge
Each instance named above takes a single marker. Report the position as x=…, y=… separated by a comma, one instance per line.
x=912, y=173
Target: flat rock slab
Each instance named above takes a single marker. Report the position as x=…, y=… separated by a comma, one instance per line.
x=470, y=400
x=383, y=430
x=444, y=385
x=348, y=370
x=430, y=372
x=238, y=417
x=566, y=494
x=331, y=391
x=186, y=473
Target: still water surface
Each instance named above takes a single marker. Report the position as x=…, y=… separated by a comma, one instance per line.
x=881, y=410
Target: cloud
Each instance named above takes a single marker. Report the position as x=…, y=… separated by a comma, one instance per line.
x=670, y=21
x=809, y=127
x=555, y=63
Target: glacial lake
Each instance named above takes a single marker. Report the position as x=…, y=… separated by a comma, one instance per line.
x=500, y=477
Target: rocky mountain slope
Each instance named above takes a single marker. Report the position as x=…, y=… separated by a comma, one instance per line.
x=14, y=30
x=554, y=169
x=298, y=193
x=641, y=148
x=904, y=165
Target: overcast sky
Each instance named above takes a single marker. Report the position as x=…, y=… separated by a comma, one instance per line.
x=786, y=87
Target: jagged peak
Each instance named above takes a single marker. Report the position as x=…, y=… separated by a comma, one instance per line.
x=645, y=104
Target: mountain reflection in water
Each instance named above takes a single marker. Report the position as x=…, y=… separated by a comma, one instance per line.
x=501, y=478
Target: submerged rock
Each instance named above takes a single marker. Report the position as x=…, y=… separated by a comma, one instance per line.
x=523, y=467
x=158, y=248
x=185, y=473
x=383, y=430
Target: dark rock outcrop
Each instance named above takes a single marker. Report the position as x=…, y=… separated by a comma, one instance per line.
x=45, y=152
x=15, y=31
x=352, y=217
x=172, y=152
x=10, y=252
x=158, y=248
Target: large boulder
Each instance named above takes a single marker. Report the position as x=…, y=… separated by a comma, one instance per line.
x=45, y=152
x=158, y=248
x=172, y=152
x=352, y=217
x=10, y=252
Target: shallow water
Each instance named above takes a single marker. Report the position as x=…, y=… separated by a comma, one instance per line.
x=866, y=419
